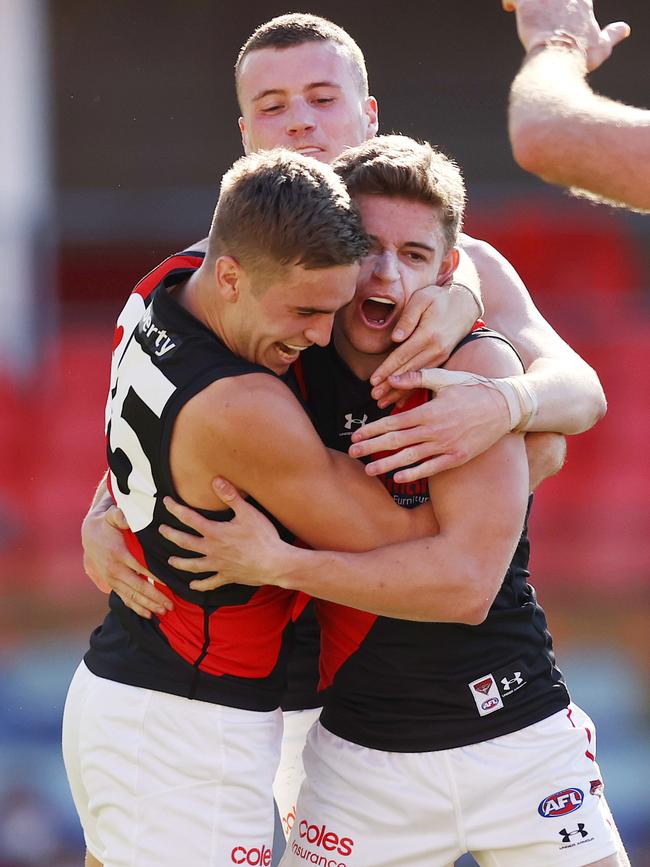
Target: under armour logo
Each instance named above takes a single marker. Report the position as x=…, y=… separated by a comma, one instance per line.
x=349, y=420
x=517, y=679
x=566, y=835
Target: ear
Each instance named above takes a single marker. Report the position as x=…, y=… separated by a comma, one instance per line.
x=371, y=112
x=228, y=274
x=244, y=135
x=448, y=266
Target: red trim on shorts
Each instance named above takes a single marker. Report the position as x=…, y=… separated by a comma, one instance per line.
x=588, y=753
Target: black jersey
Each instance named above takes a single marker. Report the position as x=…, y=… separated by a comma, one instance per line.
x=407, y=686
x=228, y=645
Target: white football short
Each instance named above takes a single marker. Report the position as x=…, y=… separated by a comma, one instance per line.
x=534, y=798
x=160, y=781
x=291, y=771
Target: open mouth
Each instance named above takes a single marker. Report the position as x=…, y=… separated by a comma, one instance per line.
x=378, y=312
x=287, y=352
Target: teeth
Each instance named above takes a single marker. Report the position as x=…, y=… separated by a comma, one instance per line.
x=381, y=300
x=295, y=348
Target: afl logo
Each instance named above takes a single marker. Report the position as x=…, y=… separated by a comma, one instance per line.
x=561, y=803
x=491, y=702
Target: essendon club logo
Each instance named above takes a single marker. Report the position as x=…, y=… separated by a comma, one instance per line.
x=484, y=686
x=561, y=803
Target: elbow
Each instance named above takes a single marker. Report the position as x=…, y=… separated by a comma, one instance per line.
x=477, y=591
x=476, y=615
x=528, y=150
x=595, y=404
x=600, y=404
x=534, y=142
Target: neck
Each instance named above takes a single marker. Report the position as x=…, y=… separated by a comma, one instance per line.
x=361, y=364
x=198, y=296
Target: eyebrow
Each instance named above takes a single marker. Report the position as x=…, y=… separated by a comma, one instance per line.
x=418, y=244
x=277, y=91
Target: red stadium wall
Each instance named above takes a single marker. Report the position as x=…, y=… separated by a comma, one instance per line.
x=590, y=524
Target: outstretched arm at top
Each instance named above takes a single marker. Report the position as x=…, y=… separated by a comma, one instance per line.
x=559, y=128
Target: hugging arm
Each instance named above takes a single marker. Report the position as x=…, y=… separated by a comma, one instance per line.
x=559, y=392
x=451, y=575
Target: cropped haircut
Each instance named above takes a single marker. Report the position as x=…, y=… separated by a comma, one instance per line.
x=297, y=28
x=395, y=165
x=280, y=208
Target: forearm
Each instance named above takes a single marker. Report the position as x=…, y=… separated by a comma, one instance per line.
x=566, y=392
x=568, y=135
x=567, y=396
x=440, y=581
x=450, y=577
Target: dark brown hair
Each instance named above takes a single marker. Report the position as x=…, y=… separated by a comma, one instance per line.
x=280, y=208
x=296, y=29
x=394, y=165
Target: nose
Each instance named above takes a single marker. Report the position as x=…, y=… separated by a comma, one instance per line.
x=386, y=268
x=320, y=330
x=300, y=118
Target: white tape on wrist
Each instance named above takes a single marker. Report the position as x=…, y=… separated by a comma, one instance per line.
x=520, y=400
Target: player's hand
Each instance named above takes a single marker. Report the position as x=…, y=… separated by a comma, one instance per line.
x=111, y=566
x=538, y=19
x=242, y=551
x=432, y=322
x=454, y=427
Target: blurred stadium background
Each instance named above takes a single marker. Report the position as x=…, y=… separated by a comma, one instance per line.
x=118, y=119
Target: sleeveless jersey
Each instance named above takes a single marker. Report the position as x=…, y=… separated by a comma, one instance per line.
x=404, y=686
x=229, y=645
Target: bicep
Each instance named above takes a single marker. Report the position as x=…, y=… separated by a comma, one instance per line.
x=269, y=448
x=483, y=502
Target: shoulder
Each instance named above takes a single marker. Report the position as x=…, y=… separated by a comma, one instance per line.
x=483, y=255
x=476, y=247
x=245, y=399
x=489, y=356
